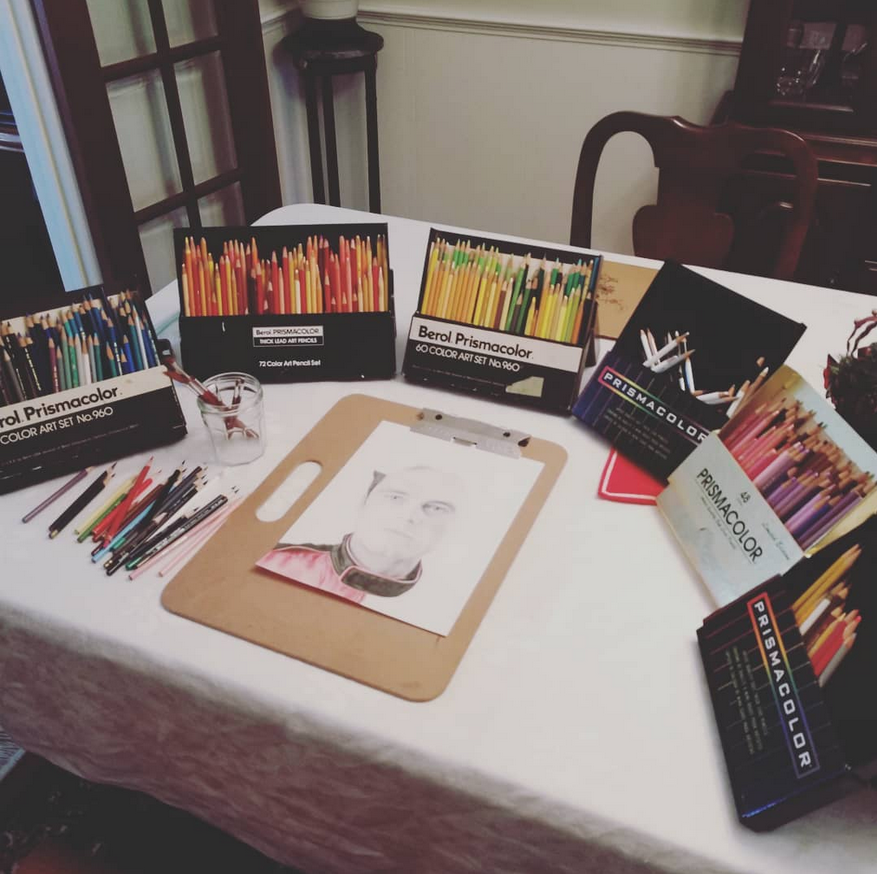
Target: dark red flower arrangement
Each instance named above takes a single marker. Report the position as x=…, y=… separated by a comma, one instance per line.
x=851, y=381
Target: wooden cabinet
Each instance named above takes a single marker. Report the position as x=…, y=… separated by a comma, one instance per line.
x=810, y=66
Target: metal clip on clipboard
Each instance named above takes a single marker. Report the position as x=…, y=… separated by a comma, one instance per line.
x=471, y=433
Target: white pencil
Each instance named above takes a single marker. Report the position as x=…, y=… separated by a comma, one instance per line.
x=671, y=362
x=664, y=350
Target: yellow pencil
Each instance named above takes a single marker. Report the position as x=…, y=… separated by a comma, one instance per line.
x=471, y=284
x=93, y=519
x=554, y=301
x=466, y=300
x=429, y=305
x=572, y=314
x=504, y=316
x=805, y=604
x=531, y=318
x=481, y=294
x=492, y=300
x=445, y=292
x=309, y=294
x=217, y=284
x=474, y=284
x=560, y=319
x=454, y=291
x=466, y=297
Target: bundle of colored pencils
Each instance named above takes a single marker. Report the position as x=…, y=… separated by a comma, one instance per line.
x=804, y=476
x=305, y=279
x=829, y=631
x=676, y=354
x=146, y=519
x=484, y=288
x=78, y=345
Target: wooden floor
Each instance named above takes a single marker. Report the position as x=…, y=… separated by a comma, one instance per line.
x=55, y=857
x=52, y=822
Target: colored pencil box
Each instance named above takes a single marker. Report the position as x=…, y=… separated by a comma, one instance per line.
x=783, y=478
x=506, y=320
x=81, y=384
x=688, y=355
x=291, y=303
x=790, y=667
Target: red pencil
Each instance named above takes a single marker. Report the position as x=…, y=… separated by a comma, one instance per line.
x=116, y=517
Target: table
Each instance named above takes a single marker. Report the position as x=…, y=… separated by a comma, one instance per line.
x=576, y=736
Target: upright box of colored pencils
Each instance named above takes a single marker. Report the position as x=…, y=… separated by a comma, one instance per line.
x=790, y=667
x=783, y=478
x=505, y=320
x=80, y=383
x=287, y=304
x=690, y=353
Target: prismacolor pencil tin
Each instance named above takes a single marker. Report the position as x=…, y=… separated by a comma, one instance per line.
x=81, y=383
x=506, y=320
x=291, y=303
x=790, y=668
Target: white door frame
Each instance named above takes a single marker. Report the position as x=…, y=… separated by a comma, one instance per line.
x=29, y=87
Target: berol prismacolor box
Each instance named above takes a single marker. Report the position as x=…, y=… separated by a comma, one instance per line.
x=506, y=320
x=783, y=478
x=690, y=353
x=80, y=384
x=289, y=303
x=790, y=667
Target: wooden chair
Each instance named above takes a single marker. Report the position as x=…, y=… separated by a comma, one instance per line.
x=696, y=164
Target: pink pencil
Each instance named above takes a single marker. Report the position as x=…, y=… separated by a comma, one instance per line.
x=194, y=545
x=207, y=527
x=781, y=464
x=756, y=427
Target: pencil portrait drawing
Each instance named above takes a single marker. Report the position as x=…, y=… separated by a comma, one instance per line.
x=404, y=515
x=406, y=527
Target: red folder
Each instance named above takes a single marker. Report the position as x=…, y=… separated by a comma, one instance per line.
x=623, y=481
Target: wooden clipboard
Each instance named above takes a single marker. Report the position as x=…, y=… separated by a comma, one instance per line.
x=221, y=586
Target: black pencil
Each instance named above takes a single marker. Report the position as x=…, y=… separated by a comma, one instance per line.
x=187, y=524
x=81, y=502
x=12, y=383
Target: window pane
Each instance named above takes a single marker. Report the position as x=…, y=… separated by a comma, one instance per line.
x=189, y=20
x=157, y=239
x=204, y=103
x=121, y=30
x=144, y=132
x=223, y=207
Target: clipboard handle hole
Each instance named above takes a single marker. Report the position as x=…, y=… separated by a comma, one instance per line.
x=280, y=501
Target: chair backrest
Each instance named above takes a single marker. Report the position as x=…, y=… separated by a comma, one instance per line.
x=695, y=164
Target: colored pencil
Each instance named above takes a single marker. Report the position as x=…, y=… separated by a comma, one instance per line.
x=318, y=277
x=81, y=502
x=56, y=494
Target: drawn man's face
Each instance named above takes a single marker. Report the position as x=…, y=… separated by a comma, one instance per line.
x=406, y=514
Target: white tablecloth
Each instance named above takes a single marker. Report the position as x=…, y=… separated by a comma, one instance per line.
x=576, y=736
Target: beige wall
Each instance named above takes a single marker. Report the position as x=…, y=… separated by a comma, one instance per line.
x=721, y=19
x=483, y=106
